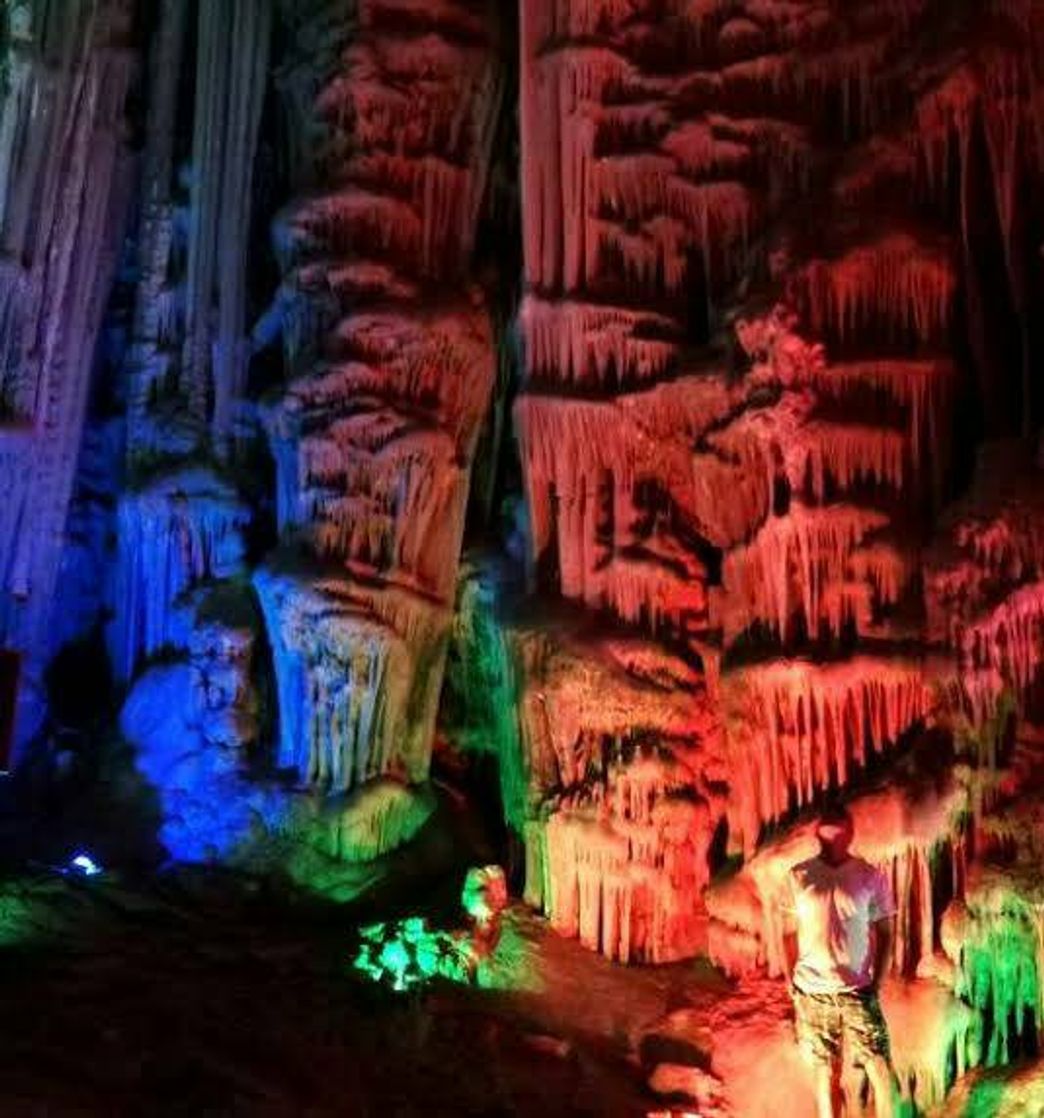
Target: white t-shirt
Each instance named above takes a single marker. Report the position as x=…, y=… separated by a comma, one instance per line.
x=833, y=908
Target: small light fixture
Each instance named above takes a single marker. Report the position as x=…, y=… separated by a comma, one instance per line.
x=84, y=865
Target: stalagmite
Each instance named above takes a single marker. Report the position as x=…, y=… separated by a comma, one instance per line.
x=392, y=356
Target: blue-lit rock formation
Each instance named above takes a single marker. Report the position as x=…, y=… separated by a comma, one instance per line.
x=174, y=533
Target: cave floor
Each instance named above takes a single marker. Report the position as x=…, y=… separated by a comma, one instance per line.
x=185, y=991
x=204, y=993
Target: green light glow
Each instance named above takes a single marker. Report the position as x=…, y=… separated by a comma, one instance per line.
x=999, y=976
x=480, y=703
x=16, y=919
x=407, y=953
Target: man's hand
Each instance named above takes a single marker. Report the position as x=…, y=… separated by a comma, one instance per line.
x=849, y=977
x=882, y=951
x=790, y=954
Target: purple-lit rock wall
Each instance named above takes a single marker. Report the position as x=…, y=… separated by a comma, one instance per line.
x=65, y=185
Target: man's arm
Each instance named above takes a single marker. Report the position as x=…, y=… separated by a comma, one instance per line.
x=787, y=914
x=790, y=951
x=882, y=949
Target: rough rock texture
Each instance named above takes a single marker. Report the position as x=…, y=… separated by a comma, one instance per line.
x=218, y=798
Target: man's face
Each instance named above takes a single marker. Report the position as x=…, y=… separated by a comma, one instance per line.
x=835, y=835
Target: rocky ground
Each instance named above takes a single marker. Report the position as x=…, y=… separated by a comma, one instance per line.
x=165, y=990
x=201, y=993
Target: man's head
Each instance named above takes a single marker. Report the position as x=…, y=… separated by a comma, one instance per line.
x=834, y=829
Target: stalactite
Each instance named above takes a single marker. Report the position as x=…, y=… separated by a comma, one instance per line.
x=357, y=676
x=790, y=565
x=922, y=388
x=232, y=62
x=933, y=1038
x=896, y=280
x=629, y=892
x=645, y=588
x=946, y=110
x=173, y=535
x=155, y=326
x=881, y=163
x=816, y=724
x=672, y=216
x=569, y=446
x=847, y=454
x=249, y=37
x=995, y=936
x=708, y=146
x=622, y=750
x=378, y=487
x=744, y=464
x=1009, y=546
x=594, y=344
x=207, y=145
x=1008, y=639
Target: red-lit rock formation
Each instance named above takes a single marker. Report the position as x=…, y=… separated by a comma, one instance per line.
x=743, y=268
x=624, y=762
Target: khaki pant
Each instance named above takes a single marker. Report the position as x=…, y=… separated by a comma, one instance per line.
x=825, y=1021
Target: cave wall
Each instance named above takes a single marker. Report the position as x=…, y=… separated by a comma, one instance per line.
x=776, y=530
x=778, y=428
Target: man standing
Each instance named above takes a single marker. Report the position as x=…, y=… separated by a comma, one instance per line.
x=838, y=943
